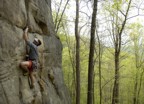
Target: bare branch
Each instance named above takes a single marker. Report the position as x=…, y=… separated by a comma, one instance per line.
x=122, y=13
x=85, y=14
x=57, y=27
x=139, y=8
x=135, y=16
x=58, y=13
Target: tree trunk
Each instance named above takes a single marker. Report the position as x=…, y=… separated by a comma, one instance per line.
x=72, y=85
x=117, y=44
x=100, y=77
x=77, y=54
x=91, y=56
x=140, y=85
x=115, y=99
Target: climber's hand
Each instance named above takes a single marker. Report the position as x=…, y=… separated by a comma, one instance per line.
x=26, y=30
x=25, y=34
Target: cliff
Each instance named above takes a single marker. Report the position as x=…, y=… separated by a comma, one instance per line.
x=49, y=84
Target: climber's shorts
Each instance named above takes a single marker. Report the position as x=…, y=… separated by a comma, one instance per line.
x=30, y=66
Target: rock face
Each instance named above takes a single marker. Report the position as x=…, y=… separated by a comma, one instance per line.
x=49, y=83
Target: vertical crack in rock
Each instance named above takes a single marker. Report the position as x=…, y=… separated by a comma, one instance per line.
x=27, y=12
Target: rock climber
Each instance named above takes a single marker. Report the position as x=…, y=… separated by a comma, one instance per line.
x=31, y=64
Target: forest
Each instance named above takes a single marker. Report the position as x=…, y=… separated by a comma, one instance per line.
x=103, y=49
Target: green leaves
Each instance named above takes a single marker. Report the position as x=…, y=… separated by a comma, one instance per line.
x=117, y=4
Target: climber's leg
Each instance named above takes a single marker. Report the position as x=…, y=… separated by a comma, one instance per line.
x=32, y=79
x=24, y=65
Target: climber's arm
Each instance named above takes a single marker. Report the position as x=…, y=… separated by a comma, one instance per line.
x=26, y=38
x=25, y=34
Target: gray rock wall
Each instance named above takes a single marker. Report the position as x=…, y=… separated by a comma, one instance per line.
x=14, y=87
